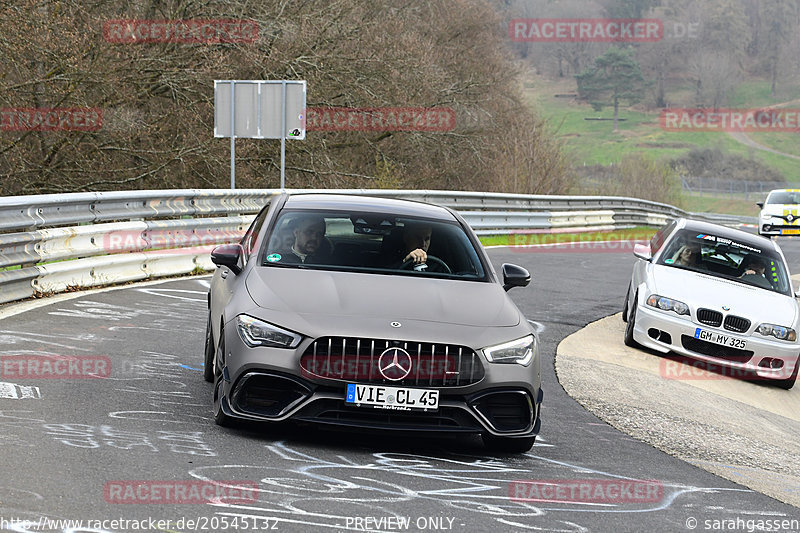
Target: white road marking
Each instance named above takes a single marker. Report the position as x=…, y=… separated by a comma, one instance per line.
x=12, y=391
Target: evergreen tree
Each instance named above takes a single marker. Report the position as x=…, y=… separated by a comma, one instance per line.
x=614, y=76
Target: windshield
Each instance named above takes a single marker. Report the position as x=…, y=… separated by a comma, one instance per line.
x=372, y=242
x=726, y=258
x=784, y=197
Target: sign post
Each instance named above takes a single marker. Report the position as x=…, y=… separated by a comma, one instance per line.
x=260, y=109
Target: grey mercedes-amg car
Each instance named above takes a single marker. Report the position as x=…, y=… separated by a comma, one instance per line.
x=373, y=313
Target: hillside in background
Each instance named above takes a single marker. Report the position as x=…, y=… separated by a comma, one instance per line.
x=739, y=54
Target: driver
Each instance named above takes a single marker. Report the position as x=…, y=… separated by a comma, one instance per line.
x=416, y=241
x=753, y=266
x=754, y=269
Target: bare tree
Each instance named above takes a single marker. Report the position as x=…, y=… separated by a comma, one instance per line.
x=157, y=98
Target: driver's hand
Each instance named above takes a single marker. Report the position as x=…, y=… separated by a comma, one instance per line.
x=419, y=256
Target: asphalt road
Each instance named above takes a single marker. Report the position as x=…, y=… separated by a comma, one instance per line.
x=67, y=444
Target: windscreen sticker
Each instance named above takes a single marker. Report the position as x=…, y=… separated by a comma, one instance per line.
x=722, y=240
x=669, y=261
x=274, y=258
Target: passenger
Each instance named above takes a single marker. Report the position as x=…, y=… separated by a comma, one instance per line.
x=688, y=255
x=309, y=244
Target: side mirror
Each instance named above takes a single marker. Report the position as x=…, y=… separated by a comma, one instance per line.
x=515, y=276
x=642, y=251
x=228, y=255
x=760, y=204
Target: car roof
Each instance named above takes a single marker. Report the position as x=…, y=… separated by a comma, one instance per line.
x=729, y=233
x=372, y=204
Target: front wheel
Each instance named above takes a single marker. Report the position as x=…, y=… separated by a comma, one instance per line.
x=507, y=444
x=208, y=359
x=625, y=307
x=220, y=417
x=629, y=340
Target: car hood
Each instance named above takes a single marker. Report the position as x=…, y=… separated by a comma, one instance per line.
x=703, y=290
x=780, y=209
x=310, y=293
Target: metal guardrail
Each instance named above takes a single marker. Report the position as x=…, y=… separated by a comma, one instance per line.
x=53, y=243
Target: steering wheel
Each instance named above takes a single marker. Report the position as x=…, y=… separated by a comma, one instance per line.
x=408, y=264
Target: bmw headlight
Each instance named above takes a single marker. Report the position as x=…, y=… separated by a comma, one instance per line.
x=256, y=332
x=520, y=351
x=667, y=304
x=779, y=332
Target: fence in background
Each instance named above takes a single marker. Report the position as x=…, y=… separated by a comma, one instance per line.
x=755, y=190
x=54, y=243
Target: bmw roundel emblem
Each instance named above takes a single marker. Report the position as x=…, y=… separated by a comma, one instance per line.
x=395, y=324
x=726, y=308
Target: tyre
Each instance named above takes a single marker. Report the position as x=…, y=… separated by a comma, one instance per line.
x=220, y=417
x=208, y=359
x=507, y=444
x=625, y=307
x=629, y=340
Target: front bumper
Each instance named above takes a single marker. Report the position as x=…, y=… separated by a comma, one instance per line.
x=272, y=385
x=667, y=332
x=273, y=397
x=779, y=227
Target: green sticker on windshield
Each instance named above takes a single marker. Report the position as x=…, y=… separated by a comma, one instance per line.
x=669, y=261
x=274, y=258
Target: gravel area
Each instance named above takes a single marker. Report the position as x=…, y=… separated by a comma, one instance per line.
x=744, y=432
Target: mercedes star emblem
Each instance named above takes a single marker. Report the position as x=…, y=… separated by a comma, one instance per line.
x=394, y=364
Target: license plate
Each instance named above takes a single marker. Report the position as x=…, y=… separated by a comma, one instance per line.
x=396, y=398
x=790, y=232
x=720, y=338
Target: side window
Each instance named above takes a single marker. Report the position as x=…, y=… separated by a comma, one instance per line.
x=249, y=239
x=657, y=241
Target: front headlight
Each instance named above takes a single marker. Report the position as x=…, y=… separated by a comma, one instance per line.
x=779, y=332
x=520, y=351
x=668, y=304
x=256, y=332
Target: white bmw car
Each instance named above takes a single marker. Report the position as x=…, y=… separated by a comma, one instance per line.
x=779, y=214
x=718, y=295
